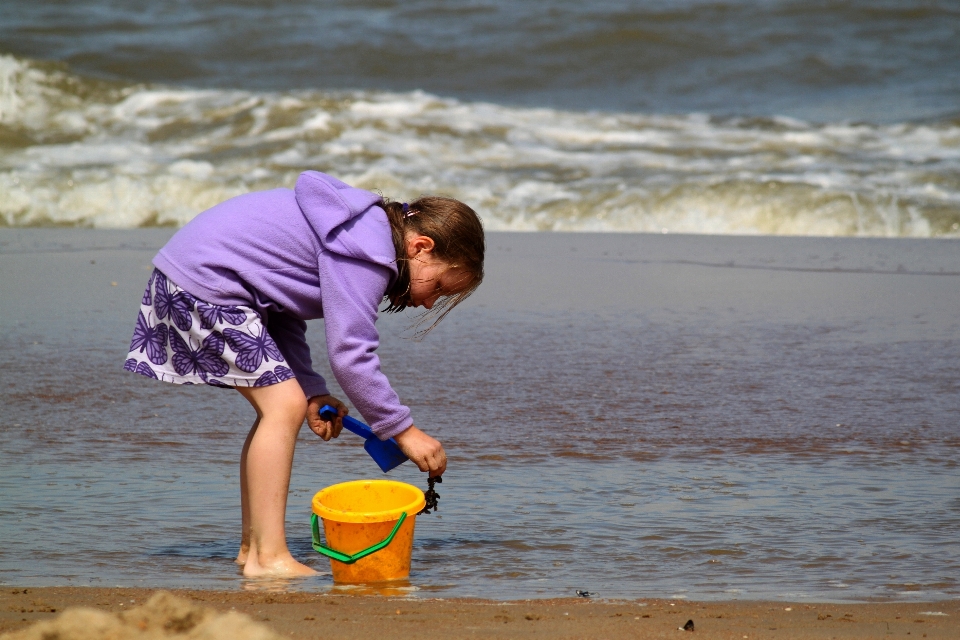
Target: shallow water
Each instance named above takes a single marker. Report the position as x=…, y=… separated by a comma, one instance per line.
x=761, y=442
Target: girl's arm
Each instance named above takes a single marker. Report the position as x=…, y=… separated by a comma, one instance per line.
x=290, y=335
x=352, y=291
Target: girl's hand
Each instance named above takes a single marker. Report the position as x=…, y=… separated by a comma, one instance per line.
x=426, y=452
x=326, y=429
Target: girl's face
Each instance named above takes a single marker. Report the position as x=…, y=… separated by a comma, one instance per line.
x=430, y=277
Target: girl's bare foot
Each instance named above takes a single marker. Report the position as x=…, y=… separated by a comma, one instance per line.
x=242, y=555
x=281, y=567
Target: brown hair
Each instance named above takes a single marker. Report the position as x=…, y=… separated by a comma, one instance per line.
x=457, y=234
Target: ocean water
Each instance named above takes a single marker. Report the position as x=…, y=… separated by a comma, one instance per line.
x=754, y=117
x=638, y=416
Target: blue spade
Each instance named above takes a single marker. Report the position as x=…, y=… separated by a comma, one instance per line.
x=386, y=453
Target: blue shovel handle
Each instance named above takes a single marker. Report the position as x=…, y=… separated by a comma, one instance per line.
x=386, y=453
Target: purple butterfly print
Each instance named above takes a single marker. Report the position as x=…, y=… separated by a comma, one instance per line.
x=213, y=382
x=203, y=360
x=145, y=370
x=140, y=367
x=279, y=374
x=211, y=314
x=151, y=339
x=177, y=305
x=268, y=378
x=147, y=296
x=252, y=350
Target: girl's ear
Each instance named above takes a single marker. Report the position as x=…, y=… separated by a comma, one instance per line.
x=417, y=244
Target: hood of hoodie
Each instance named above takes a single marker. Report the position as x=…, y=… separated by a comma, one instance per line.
x=347, y=220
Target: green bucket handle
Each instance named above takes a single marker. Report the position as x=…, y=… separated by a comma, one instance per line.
x=344, y=557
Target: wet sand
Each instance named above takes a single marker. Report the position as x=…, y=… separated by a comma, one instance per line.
x=310, y=615
x=800, y=279
x=882, y=292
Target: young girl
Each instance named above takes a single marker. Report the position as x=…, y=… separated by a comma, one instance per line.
x=227, y=305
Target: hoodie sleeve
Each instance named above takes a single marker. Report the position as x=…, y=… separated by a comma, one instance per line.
x=352, y=291
x=290, y=335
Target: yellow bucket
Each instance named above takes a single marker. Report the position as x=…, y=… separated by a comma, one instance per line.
x=368, y=525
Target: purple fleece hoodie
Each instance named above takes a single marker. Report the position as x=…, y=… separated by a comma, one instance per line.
x=323, y=250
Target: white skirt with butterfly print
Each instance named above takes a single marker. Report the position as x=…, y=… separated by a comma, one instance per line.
x=184, y=340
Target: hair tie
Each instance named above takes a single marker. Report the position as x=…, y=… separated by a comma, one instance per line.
x=406, y=211
x=406, y=207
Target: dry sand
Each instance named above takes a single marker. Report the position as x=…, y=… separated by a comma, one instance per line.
x=53, y=613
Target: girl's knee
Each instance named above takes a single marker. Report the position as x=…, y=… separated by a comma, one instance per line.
x=291, y=407
x=284, y=401
x=298, y=408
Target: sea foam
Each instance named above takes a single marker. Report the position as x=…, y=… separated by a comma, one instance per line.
x=83, y=152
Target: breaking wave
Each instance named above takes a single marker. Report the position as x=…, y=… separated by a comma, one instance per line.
x=76, y=151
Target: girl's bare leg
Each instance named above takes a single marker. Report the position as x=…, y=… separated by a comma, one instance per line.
x=267, y=461
x=245, y=498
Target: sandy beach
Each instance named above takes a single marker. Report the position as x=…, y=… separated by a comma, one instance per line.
x=302, y=615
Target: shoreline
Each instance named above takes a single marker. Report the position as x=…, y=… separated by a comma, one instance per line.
x=311, y=615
